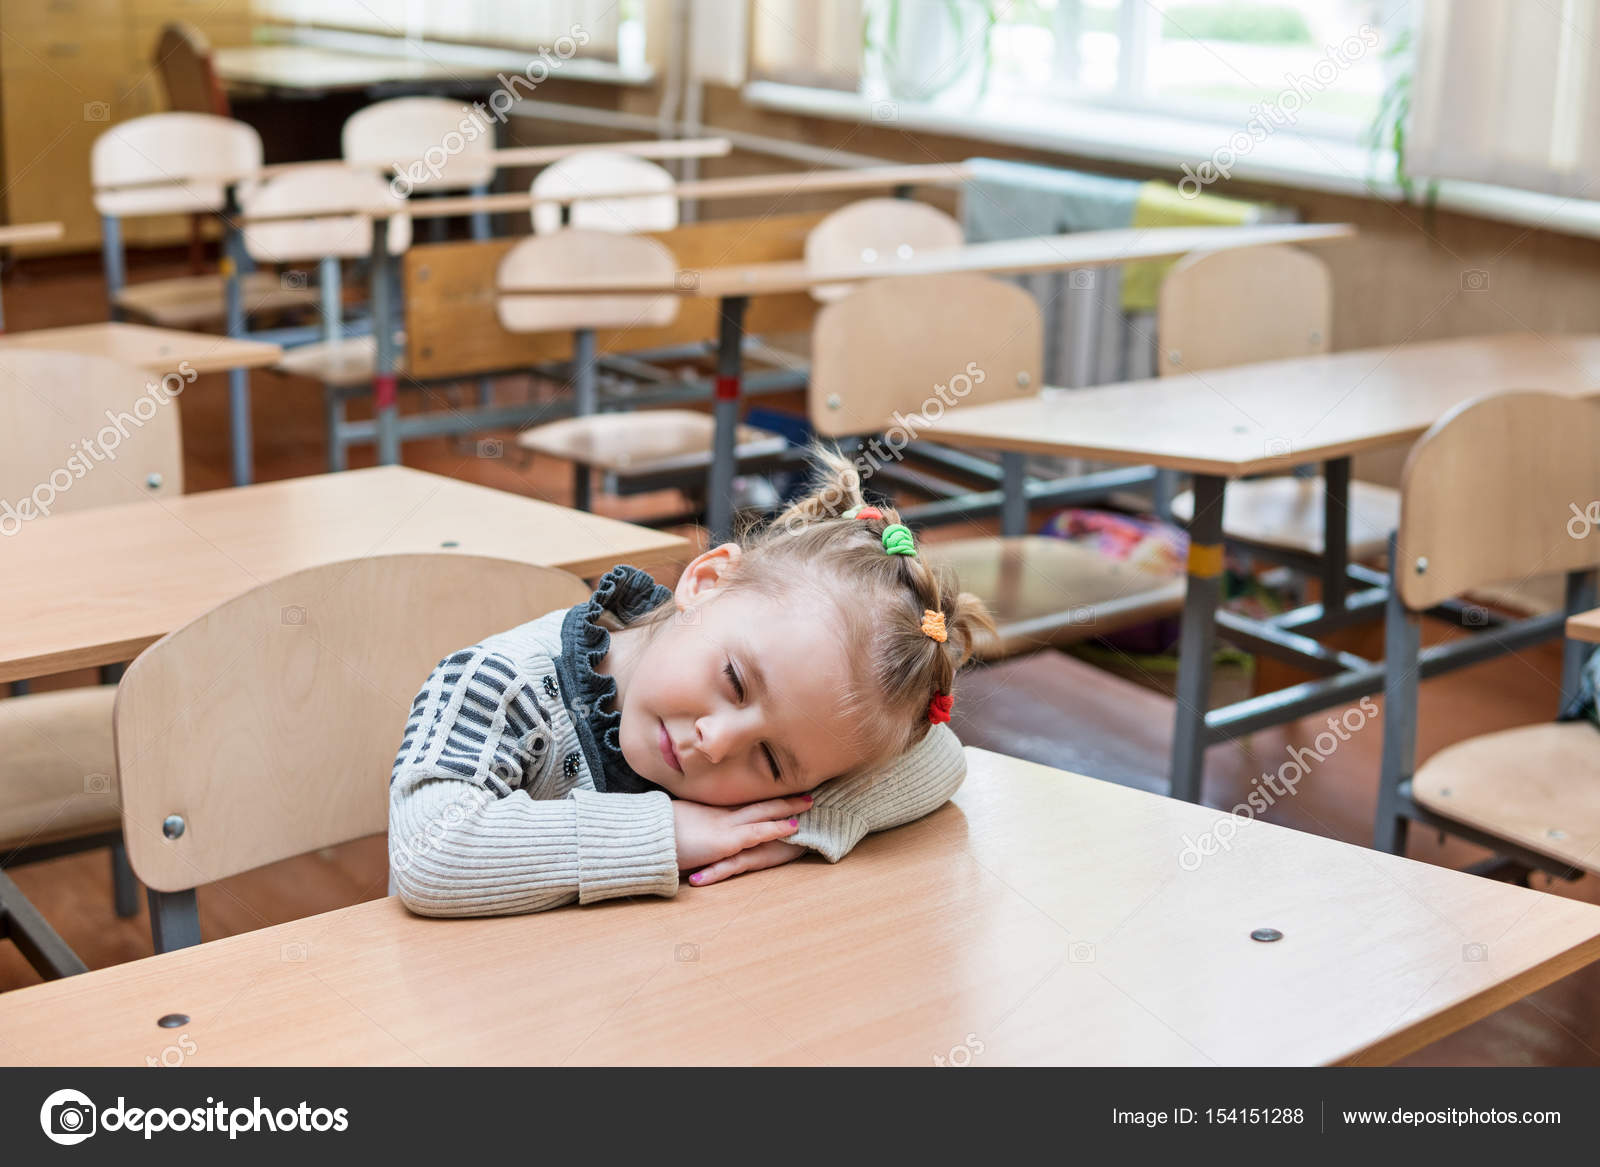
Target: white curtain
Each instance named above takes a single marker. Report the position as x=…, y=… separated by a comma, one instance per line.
x=807, y=42
x=1508, y=92
x=514, y=24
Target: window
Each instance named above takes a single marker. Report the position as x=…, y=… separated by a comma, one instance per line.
x=1320, y=63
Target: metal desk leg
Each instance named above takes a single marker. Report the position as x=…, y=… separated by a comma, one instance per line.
x=1402, y=644
x=482, y=229
x=1335, y=537
x=1198, y=640
x=114, y=260
x=385, y=398
x=730, y=370
x=1013, y=494
x=21, y=923
x=238, y=379
x=1575, y=653
x=586, y=400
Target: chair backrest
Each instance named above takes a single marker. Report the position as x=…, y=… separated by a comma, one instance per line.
x=1246, y=304
x=877, y=231
x=1501, y=488
x=80, y=431
x=183, y=57
x=577, y=252
x=317, y=190
x=270, y=724
x=158, y=151
x=424, y=139
x=602, y=170
x=904, y=350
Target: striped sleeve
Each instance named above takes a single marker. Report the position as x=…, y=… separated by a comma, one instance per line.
x=915, y=784
x=466, y=838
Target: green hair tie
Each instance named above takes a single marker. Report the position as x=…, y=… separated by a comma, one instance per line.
x=851, y=513
x=897, y=540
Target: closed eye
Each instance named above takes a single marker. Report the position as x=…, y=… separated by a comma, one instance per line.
x=733, y=679
x=772, y=763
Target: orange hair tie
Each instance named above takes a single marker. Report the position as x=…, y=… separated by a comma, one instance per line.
x=939, y=708
x=933, y=625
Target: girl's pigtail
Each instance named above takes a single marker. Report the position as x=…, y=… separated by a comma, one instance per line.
x=836, y=488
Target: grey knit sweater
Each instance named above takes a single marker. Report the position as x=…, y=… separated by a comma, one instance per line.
x=493, y=808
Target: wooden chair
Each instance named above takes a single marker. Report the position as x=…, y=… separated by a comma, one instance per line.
x=58, y=773
x=650, y=443
x=399, y=133
x=139, y=167
x=1486, y=496
x=183, y=58
x=877, y=231
x=268, y=727
x=345, y=365
x=879, y=356
x=1237, y=307
x=599, y=171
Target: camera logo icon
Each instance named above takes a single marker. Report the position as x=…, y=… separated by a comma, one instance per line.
x=885, y=111
x=1474, y=280
x=491, y=448
x=1081, y=278
x=687, y=280
x=293, y=280
x=294, y=616
x=96, y=111
x=1279, y=447
x=67, y=1117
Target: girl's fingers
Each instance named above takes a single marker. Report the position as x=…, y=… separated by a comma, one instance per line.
x=754, y=834
x=754, y=859
x=774, y=808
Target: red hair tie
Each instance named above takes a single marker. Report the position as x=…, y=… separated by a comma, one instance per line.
x=939, y=708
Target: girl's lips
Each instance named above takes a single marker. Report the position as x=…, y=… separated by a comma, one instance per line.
x=670, y=755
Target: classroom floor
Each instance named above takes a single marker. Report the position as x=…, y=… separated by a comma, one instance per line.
x=1049, y=707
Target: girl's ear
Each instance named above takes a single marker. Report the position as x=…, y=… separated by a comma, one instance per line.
x=706, y=573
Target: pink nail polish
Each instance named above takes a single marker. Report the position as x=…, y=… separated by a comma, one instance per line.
x=695, y=878
x=808, y=798
x=794, y=822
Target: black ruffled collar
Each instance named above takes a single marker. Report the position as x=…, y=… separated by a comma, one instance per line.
x=627, y=594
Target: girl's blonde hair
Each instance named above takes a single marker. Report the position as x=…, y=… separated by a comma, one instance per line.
x=881, y=599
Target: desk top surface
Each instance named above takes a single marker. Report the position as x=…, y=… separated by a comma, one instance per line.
x=1041, y=918
x=1271, y=416
x=1002, y=257
x=160, y=350
x=96, y=586
x=1585, y=626
x=310, y=67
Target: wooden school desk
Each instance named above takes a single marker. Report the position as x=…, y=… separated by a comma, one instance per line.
x=734, y=286
x=158, y=350
x=296, y=70
x=96, y=587
x=1266, y=418
x=1585, y=627
x=26, y=233
x=1042, y=918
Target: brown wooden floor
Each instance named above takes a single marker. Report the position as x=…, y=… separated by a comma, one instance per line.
x=1048, y=707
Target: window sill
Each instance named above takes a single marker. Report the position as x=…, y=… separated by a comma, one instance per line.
x=1167, y=144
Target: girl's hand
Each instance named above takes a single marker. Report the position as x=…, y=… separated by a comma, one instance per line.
x=706, y=834
x=753, y=859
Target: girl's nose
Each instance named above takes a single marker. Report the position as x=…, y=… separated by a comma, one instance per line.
x=716, y=736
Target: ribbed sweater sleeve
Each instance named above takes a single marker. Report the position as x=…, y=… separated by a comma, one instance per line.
x=466, y=835
x=900, y=791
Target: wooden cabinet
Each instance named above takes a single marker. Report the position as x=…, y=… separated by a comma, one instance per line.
x=68, y=70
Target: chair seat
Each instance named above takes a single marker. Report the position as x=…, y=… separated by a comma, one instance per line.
x=1286, y=512
x=193, y=301
x=1537, y=786
x=347, y=362
x=58, y=769
x=652, y=441
x=1044, y=591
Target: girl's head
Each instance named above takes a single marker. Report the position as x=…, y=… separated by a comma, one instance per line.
x=805, y=651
